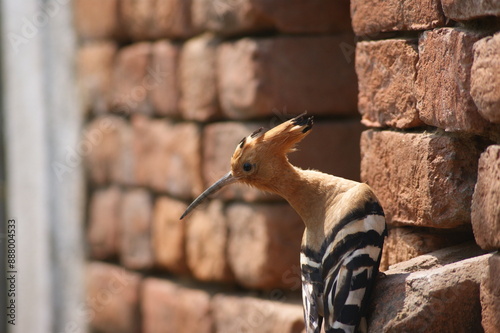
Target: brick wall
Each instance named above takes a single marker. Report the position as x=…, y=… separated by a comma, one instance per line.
x=169, y=88
x=429, y=87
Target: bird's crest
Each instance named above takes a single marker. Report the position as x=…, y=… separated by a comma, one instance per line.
x=280, y=139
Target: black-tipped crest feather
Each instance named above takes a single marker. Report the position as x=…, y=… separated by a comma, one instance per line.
x=256, y=133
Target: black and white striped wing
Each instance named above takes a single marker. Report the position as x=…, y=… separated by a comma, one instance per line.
x=349, y=267
x=312, y=287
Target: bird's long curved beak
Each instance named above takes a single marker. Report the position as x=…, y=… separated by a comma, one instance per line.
x=227, y=179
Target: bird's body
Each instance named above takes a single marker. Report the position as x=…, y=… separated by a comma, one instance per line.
x=344, y=225
x=341, y=245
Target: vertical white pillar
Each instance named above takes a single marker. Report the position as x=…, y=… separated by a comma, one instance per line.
x=42, y=121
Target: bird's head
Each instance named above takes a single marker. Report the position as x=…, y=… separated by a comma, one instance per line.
x=260, y=157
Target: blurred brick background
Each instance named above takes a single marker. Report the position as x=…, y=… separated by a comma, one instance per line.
x=169, y=89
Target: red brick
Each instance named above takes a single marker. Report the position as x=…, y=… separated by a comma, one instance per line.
x=147, y=140
x=253, y=315
x=219, y=143
x=97, y=19
x=136, y=214
x=438, y=258
x=112, y=302
x=386, y=72
x=486, y=199
x=105, y=147
x=405, y=243
x=229, y=17
x=370, y=17
x=299, y=16
x=421, y=179
x=169, y=235
x=163, y=164
x=490, y=296
x=163, y=83
x=183, y=176
x=442, y=299
x=152, y=19
x=103, y=233
x=443, y=81
x=264, y=242
x=485, y=78
x=207, y=243
x=460, y=10
x=258, y=76
x=198, y=79
x=95, y=64
x=169, y=307
x=132, y=78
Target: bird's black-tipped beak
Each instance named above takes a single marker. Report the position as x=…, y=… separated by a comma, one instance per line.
x=227, y=179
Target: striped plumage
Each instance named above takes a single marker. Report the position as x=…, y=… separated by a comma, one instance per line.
x=337, y=279
x=345, y=225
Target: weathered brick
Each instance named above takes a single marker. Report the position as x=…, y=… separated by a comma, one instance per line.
x=136, y=215
x=404, y=243
x=443, y=81
x=264, y=242
x=147, y=143
x=198, y=79
x=228, y=17
x=105, y=147
x=152, y=19
x=131, y=79
x=97, y=19
x=490, y=296
x=252, y=315
x=112, y=302
x=421, y=179
x=438, y=258
x=163, y=83
x=207, y=243
x=485, y=77
x=298, y=16
x=258, y=76
x=169, y=235
x=459, y=10
x=163, y=164
x=370, y=17
x=183, y=176
x=95, y=64
x=386, y=79
x=169, y=307
x=486, y=200
x=103, y=233
x=442, y=299
x=231, y=17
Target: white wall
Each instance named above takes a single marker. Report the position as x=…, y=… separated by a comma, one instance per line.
x=42, y=120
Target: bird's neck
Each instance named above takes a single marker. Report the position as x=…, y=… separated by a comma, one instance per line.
x=315, y=196
x=307, y=191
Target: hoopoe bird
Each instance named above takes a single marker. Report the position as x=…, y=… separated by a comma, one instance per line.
x=344, y=225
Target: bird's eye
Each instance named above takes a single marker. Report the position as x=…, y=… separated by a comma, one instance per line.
x=247, y=167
